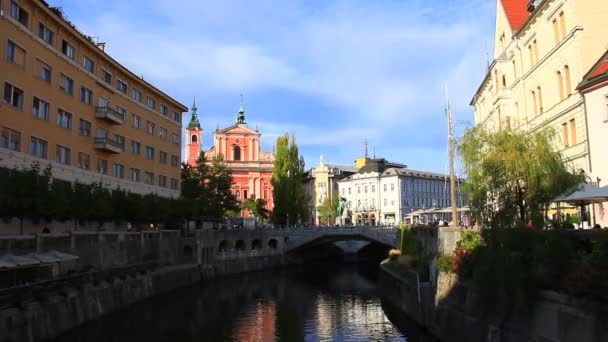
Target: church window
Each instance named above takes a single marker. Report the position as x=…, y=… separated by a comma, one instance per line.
x=237, y=153
x=194, y=139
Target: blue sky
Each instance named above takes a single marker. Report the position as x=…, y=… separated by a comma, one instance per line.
x=331, y=72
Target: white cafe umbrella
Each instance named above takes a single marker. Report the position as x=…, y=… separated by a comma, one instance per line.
x=587, y=193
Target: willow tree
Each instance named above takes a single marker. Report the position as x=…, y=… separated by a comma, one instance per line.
x=289, y=195
x=513, y=176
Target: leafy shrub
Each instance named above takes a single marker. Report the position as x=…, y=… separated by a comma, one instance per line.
x=445, y=263
x=409, y=244
x=470, y=240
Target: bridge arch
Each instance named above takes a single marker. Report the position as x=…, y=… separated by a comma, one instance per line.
x=239, y=245
x=223, y=246
x=273, y=244
x=256, y=245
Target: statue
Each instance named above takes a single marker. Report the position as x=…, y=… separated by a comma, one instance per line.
x=342, y=210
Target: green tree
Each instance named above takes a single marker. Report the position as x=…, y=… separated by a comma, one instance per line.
x=513, y=176
x=219, y=185
x=261, y=210
x=207, y=187
x=27, y=193
x=287, y=181
x=256, y=207
x=101, y=204
x=329, y=209
x=250, y=205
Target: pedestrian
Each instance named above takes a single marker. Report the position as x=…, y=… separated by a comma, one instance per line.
x=529, y=224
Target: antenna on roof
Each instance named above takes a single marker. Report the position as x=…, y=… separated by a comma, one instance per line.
x=487, y=59
x=365, y=146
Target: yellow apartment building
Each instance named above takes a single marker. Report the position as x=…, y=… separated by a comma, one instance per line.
x=542, y=50
x=68, y=103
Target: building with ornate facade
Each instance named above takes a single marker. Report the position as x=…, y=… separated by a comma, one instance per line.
x=68, y=104
x=321, y=182
x=594, y=88
x=240, y=147
x=542, y=50
x=383, y=193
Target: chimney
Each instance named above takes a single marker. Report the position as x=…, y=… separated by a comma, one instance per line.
x=101, y=46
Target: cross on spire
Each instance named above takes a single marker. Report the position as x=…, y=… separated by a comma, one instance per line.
x=240, y=117
x=194, y=123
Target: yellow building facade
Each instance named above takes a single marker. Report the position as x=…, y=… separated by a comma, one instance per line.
x=68, y=103
x=542, y=50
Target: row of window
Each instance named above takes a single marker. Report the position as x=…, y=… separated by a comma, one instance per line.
x=41, y=109
x=237, y=194
x=569, y=133
x=428, y=187
x=11, y=139
x=417, y=202
x=17, y=56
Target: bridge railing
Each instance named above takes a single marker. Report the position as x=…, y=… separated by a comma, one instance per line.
x=381, y=234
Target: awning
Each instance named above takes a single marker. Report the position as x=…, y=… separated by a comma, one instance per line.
x=448, y=210
x=33, y=259
x=51, y=256
x=586, y=193
x=12, y=261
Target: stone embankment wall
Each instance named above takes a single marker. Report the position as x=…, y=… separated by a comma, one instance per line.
x=101, y=249
x=48, y=315
x=451, y=311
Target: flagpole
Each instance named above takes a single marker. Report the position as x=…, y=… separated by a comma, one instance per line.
x=451, y=149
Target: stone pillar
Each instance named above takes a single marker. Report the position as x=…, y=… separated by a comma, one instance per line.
x=38, y=243
x=259, y=188
x=250, y=148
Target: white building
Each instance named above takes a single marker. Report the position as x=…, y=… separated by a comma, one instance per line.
x=595, y=91
x=321, y=182
x=380, y=194
x=542, y=49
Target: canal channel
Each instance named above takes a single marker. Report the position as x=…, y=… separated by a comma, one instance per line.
x=313, y=302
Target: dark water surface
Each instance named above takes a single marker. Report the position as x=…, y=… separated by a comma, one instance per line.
x=304, y=303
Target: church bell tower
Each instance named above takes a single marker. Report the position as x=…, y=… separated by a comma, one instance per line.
x=193, y=135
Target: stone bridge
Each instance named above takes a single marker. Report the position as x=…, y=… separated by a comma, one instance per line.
x=303, y=237
x=212, y=245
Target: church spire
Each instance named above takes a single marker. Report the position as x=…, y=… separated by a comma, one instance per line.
x=194, y=123
x=240, y=117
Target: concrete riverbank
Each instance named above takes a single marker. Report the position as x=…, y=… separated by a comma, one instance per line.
x=45, y=313
x=450, y=311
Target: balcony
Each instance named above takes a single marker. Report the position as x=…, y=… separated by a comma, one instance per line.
x=110, y=114
x=108, y=145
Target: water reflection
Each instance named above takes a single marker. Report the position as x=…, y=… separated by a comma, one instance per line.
x=313, y=303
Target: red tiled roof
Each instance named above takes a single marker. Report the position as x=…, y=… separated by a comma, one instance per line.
x=517, y=12
x=602, y=68
x=597, y=73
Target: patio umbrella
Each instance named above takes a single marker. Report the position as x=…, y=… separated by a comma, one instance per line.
x=587, y=193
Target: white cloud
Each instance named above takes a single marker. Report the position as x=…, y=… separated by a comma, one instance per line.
x=382, y=65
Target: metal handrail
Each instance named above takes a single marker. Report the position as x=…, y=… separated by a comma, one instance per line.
x=109, y=142
x=108, y=110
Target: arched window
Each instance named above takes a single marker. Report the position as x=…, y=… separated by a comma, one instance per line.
x=560, y=84
x=238, y=195
x=540, y=100
x=567, y=77
x=535, y=103
x=237, y=153
x=194, y=139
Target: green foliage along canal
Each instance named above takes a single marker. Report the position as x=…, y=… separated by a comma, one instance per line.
x=305, y=303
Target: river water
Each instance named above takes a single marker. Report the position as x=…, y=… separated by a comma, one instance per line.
x=305, y=303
